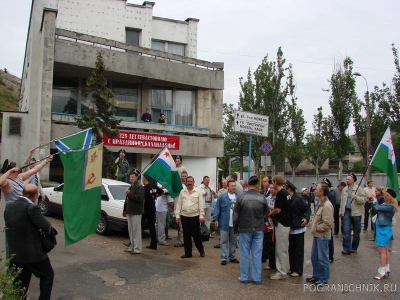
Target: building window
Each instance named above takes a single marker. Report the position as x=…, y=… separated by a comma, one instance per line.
x=169, y=47
x=126, y=96
x=65, y=96
x=184, y=108
x=176, y=48
x=15, y=126
x=132, y=36
x=161, y=102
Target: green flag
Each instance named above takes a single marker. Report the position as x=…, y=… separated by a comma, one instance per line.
x=164, y=171
x=82, y=193
x=384, y=159
x=80, y=140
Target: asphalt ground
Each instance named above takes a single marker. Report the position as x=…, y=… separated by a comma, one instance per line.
x=98, y=268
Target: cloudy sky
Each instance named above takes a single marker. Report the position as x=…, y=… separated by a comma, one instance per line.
x=313, y=34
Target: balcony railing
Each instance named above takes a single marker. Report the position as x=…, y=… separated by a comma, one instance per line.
x=123, y=47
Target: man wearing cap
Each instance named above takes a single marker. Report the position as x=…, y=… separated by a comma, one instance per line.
x=300, y=216
x=281, y=215
x=151, y=191
x=122, y=166
x=134, y=209
x=248, y=223
x=351, y=210
x=190, y=208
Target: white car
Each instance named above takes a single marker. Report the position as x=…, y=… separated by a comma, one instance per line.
x=112, y=204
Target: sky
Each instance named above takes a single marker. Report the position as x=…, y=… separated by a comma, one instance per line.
x=313, y=34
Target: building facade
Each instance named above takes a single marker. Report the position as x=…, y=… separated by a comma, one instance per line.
x=151, y=63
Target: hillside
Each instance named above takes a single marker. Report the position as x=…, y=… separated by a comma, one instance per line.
x=9, y=91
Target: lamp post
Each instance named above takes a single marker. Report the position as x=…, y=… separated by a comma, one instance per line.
x=367, y=110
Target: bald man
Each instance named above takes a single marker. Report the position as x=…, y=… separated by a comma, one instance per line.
x=23, y=219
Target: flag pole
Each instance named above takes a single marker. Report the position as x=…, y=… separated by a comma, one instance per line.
x=153, y=159
x=40, y=146
x=58, y=153
x=362, y=178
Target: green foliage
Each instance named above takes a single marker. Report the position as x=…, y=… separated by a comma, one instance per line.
x=9, y=289
x=100, y=113
x=316, y=148
x=342, y=96
x=295, y=142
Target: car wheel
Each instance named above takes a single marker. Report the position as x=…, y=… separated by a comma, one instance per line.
x=44, y=206
x=102, y=228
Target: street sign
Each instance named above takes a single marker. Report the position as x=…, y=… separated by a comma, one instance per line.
x=266, y=147
x=254, y=124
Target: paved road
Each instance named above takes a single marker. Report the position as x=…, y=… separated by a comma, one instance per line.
x=97, y=268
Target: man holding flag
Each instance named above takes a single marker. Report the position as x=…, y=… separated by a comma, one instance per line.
x=384, y=159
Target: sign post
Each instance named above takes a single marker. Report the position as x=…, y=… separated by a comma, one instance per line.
x=252, y=124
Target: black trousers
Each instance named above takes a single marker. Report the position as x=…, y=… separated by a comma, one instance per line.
x=367, y=207
x=41, y=270
x=150, y=216
x=268, y=251
x=296, y=252
x=191, y=229
x=331, y=248
x=336, y=218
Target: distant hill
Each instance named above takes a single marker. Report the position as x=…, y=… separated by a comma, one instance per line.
x=9, y=91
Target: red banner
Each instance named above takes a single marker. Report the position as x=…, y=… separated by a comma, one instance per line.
x=142, y=140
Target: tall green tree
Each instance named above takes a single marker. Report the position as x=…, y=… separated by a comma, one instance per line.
x=271, y=92
x=295, y=142
x=100, y=114
x=343, y=94
x=235, y=144
x=316, y=149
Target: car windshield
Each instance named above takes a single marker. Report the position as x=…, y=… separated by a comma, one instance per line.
x=118, y=191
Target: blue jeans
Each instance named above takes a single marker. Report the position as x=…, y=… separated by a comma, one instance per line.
x=320, y=259
x=250, y=241
x=348, y=223
x=228, y=236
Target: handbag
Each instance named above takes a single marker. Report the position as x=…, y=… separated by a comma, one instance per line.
x=49, y=241
x=204, y=232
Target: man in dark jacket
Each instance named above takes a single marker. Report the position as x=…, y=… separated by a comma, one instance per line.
x=300, y=216
x=151, y=192
x=134, y=210
x=23, y=219
x=248, y=223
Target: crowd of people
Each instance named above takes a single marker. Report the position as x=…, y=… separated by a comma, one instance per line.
x=268, y=224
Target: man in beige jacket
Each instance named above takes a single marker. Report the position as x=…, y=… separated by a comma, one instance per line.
x=351, y=210
x=321, y=230
x=190, y=210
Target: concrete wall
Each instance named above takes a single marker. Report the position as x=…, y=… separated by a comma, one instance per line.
x=78, y=54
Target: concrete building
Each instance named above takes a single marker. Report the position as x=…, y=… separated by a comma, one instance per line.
x=151, y=63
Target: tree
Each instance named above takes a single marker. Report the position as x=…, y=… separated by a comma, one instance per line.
x=342, y=96
x=100, y=113
x=234, y=142
x=295, y=145
x=270, y=100
x=316, y=150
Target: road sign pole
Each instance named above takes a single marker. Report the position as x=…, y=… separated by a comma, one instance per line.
x=249, y=169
